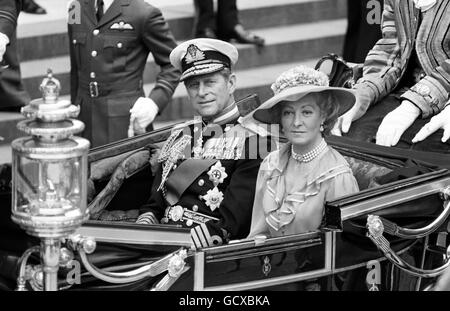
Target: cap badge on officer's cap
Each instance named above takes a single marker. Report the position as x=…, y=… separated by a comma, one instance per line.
x=193, y=54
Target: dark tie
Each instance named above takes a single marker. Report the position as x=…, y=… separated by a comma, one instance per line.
x=100, y=10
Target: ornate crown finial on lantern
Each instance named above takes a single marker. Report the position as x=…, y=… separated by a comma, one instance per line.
x=50, y=88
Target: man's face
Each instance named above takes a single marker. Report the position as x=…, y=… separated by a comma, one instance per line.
x=210, y=94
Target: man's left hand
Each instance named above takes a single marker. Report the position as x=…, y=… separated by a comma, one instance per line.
x=439, y=121
x=395, y=123
x=142, y=114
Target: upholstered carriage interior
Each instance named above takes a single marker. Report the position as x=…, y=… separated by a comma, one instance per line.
x=120, y=184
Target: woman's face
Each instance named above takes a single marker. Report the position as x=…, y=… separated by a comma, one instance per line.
x=300, y=121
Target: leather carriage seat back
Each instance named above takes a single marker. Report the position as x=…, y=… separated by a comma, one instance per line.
x=366, y=173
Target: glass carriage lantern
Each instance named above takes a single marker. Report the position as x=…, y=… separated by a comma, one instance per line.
x=49, y=174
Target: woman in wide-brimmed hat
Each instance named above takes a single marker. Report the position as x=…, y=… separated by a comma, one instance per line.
x=295, y=181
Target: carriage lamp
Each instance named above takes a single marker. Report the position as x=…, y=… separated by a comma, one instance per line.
x=49, y=174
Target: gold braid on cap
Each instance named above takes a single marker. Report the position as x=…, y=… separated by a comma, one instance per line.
x=298, y=76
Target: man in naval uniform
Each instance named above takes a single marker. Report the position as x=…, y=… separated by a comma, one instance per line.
x=209, y=166
x=109, y=44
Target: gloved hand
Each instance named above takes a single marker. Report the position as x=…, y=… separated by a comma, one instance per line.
x=439, y=121
x=147, y=219
x=343, y=123
x=4, y=40
x=142, y=114
x=395, y=123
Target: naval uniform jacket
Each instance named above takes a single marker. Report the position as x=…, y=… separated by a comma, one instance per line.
x=231, y=220
x=12, y=92
x=108, y=60
x=387, y=62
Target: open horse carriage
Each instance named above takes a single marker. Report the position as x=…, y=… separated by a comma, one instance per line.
x=392, y=235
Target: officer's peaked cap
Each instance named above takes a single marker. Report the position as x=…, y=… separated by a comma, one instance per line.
x=203, y=56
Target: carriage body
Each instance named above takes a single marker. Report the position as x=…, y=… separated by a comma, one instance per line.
x=343, y=243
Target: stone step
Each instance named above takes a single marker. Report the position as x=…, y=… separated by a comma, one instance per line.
x=256, y=80
x=297, y=42
x=45, y=36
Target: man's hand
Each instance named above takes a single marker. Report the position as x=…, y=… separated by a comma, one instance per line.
x=142, y=114
x=343, y=123
x=4, y=40
x=395, y=123
x=147, y=219
x=439, y=121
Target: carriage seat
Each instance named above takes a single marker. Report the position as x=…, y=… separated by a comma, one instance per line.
x=366, y=173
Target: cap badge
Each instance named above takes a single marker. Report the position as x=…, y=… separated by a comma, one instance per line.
x=193, y=54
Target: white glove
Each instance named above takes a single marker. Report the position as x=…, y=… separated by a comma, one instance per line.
x=142, y=114
x=4, y=40
x=395, y=123
x=344, y=122
x=439, y=121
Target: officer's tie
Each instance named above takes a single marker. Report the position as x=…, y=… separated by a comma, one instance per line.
x=100, y=9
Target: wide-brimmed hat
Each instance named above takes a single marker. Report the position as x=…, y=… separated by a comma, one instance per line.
x=296, y=83
x=203, y=56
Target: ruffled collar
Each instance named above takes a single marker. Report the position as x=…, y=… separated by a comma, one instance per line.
x=278, y=204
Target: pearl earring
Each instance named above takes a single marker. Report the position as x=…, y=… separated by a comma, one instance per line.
x=321, y=127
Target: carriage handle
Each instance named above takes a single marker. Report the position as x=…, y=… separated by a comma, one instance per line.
x=375, y=233
x=173, y=263
x=377, y=226
x=406, y=233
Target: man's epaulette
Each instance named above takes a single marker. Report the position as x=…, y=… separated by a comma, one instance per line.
x=173, y=143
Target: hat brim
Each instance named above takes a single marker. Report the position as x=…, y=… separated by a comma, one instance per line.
x=201, y=70
x=344, y=98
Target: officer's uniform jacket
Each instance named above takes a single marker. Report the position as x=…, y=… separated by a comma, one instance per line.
x=217, y=201
x=9, y=11
x=108, y=60
x=387, y=62
x=12, y=92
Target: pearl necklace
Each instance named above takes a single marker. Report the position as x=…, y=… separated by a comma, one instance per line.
x=311, y=155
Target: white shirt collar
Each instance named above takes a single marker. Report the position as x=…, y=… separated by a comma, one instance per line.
x=106, y=4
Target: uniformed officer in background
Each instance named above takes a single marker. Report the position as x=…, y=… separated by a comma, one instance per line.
x=12, y=93
x=108, y=53
x=206, y=180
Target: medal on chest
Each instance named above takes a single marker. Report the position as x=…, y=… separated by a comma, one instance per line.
x=214, y=197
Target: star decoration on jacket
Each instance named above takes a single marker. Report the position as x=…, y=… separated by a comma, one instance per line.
x=213, y=198
x=217, y=174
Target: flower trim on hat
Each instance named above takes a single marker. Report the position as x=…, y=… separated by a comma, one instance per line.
x=300, y=75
